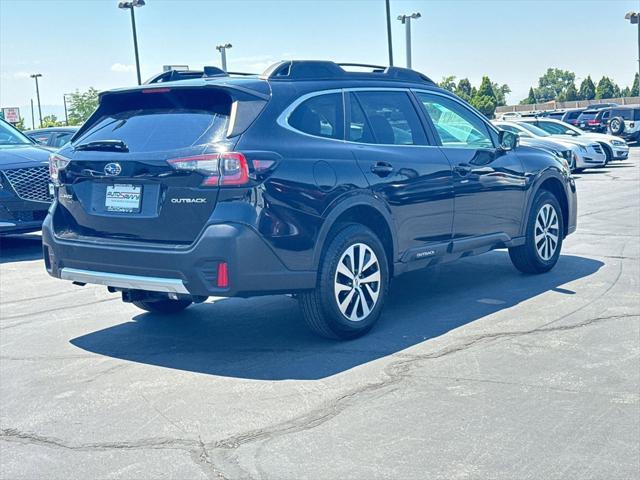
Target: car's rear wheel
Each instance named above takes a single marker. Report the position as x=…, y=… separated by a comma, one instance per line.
x=352, y=285
x=543, y=241
x=164, y=306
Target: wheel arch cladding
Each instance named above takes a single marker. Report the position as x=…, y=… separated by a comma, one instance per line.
x=368, y=216
x=554, y=186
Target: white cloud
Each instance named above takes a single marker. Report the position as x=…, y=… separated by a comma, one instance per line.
x=20, y=75
x=121, y=67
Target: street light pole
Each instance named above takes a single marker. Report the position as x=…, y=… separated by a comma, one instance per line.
x=36, y=76
x=223, y=53
x=389, y=43
x=406, y=20
x=66, y=116
x=33, y=119
x=130, y=5
x=634, y=18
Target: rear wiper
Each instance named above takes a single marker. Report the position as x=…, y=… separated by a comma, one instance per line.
x=106, y=145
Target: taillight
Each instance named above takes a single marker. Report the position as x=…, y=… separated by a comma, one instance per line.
x=592, y=122
x=56, y=163
x=219, y=169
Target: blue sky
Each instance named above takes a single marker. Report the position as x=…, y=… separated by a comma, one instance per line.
x=80, y=43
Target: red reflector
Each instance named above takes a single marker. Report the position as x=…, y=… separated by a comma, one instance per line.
x=156, y=90
x=223, y=275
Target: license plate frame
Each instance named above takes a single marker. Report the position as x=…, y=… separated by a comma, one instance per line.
x=123, y=198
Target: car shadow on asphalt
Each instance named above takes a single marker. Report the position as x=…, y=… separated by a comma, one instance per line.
x=19, y=248
x=264, y=338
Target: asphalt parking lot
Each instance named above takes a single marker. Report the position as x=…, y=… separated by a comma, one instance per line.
x=475, y=371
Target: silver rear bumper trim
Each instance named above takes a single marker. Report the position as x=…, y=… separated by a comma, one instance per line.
x=7, y=224
x=118, y=280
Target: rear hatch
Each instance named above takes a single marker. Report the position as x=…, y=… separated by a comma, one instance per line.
x=148, y=165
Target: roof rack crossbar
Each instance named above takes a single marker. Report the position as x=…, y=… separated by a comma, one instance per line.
x=326, y=70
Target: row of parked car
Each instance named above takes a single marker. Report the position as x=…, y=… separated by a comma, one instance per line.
x=611, y=118
x=581, y=149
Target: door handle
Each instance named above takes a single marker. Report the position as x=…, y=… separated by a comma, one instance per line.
x=382, y=169
x=463, y=169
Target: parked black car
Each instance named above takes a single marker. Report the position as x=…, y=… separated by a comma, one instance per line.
x=594, y=120
x=53, y=137
x=571, y=115
x=310, y=179
x=24, y=182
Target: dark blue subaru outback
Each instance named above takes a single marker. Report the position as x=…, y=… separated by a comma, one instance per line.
x=309, y=179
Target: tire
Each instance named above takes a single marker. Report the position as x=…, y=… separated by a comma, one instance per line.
x=608, y=153
x=321, y=309
x=545, y=220
x=616, y=125
x=165, y=306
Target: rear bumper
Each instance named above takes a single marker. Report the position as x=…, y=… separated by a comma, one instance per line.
x=253, y=268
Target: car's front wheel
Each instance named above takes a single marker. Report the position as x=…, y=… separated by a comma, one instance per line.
x=543, y=240
x=352, y=285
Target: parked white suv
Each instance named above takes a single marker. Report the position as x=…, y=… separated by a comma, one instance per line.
x=614, y=148
x=588, y=154
x=625, y=122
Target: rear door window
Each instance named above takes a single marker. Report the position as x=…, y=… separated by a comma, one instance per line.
x=386, y=118
x=169, y=120
x=320, y=116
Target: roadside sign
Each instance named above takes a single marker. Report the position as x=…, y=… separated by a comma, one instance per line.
x=11, y=114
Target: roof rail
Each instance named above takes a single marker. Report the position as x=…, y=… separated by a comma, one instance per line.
x=327, y=70
x=207, y=72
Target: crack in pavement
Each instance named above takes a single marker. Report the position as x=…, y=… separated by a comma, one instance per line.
x=396, y=372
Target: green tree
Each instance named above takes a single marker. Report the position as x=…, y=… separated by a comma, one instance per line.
x=587, y=89
x=571, y=94
x=485, y=98
x=634, y=88
x=607, y=89
x=625, y=92
x=554, y=84
x=501, y=92
x=531, y=99
x=81, y=105
x=51, y=121
x=464, y=89
x=20, y=125
x=448, y=83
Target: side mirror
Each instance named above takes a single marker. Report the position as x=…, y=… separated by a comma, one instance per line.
x=507, y=140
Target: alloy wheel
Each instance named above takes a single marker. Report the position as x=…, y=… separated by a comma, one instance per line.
x=547, y=231
x=357, y=282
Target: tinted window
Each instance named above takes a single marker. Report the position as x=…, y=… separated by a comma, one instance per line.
x=455, y=125
x=588, y=115
x=42, y=138
x=553, y=128
x=61, y=139
x=626, y=113
x=573, y=115
x=11, y=136
x=320, y=116
x=161, y=121
x=387, y=118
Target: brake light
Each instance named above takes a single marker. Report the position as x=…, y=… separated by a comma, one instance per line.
x=156, y=90
x=56, y=163
x=223, y=275
x=219, y=169
x=592, y=122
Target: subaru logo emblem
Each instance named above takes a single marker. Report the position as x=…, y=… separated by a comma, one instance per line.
x=112, y=169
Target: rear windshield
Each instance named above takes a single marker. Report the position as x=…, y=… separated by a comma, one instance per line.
x=173, y=119
x=588, y=115
x=573, y=115
x=626, y=113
